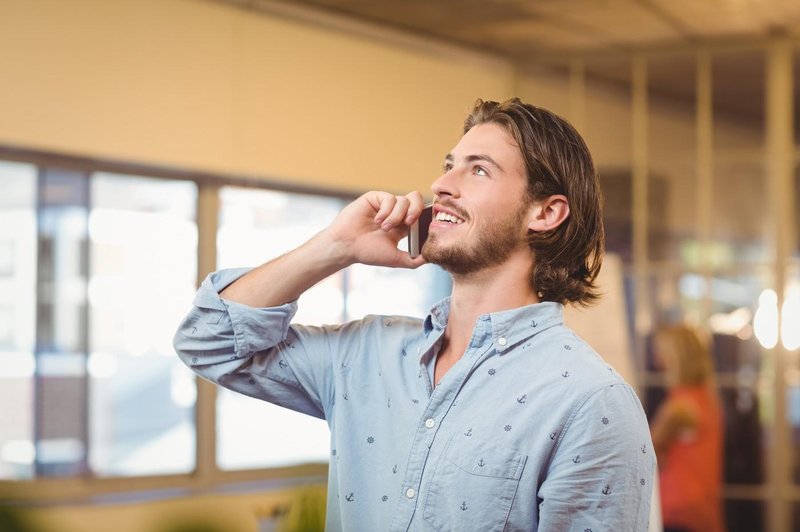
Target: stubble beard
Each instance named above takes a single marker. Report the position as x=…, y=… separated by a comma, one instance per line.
x=496, y=241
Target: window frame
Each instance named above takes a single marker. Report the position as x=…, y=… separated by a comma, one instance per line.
x=207, y=475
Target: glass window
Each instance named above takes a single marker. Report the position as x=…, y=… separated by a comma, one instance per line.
x=143, y=268
x=17, y=318
x=61, y=332
x=256, y=226
x=672, y=209
x=394, y=291
x=740, y=223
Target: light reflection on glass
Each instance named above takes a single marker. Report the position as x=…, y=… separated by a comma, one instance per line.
x=143, y=241
x=17, y=318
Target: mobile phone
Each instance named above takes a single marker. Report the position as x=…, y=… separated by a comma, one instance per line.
x=418, y=232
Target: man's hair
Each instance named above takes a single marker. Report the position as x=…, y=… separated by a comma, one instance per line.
x=567, y=258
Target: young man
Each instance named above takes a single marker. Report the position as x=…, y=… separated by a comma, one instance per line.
x=489, y=414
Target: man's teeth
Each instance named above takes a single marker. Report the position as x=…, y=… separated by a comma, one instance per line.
x=444, y=217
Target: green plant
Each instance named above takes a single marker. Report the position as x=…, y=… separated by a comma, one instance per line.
x=306, y=512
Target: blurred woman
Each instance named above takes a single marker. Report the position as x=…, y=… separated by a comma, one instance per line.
x=687, y=434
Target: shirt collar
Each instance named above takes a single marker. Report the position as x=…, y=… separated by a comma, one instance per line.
x=509, y=327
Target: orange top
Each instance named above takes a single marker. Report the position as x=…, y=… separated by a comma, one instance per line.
x=691, y=472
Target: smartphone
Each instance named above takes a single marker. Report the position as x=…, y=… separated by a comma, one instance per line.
x=418, y=232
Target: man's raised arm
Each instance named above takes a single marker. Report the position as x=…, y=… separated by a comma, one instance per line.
x=366, y=231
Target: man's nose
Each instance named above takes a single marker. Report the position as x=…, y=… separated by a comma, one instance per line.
x=447, y=184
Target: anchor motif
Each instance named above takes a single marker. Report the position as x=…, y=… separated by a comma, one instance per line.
x=552, y=435
x=644, y=449
x=481, y=463
x=350, y=497
x=469, y=432
x=577, y=459
x=344, y=395
x=606, y=490
x=394, y=469
x=641, y=481
x=533, y=323
x=565, y=374
x=568, y=347
x=283, y=364
x=464, y=506
x=194, y=330
x=389, y=402
x=507, y=428
x=522, y=399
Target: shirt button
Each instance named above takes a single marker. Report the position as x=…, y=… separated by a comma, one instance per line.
x=430, y=423
x=501, y=341
x=410, y=493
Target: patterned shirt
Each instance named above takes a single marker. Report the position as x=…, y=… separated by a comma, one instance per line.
x=529, y=430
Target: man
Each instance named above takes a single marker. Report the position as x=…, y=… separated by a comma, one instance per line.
x=489, y=414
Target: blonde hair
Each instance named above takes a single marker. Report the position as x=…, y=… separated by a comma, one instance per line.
x=686, y=353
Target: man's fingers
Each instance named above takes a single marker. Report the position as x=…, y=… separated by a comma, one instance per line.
x=398, y=214
x=416, y=204
x=387, y=203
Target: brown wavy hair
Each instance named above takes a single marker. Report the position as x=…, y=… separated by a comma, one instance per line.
x=567, y=258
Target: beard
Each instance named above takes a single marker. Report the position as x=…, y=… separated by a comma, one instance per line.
x=496, y=240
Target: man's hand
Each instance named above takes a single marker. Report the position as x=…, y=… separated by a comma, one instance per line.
x=368, y=230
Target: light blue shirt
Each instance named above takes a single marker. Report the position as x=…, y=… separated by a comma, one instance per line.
x=529, y=430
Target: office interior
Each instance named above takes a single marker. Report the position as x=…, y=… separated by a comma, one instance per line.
x=146, y=143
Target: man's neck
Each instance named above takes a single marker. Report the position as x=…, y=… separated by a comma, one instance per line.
x=504, y=287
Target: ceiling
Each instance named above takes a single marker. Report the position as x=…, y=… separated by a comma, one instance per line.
x=525, y=29
x=531, y=32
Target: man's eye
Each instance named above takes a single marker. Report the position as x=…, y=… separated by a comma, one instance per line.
x=480, y=170
x=447, y=167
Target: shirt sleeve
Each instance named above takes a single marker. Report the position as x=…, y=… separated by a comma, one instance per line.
x=601, y=475
x=255, y=351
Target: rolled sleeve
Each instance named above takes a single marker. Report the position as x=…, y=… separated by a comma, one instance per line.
x=244, y=348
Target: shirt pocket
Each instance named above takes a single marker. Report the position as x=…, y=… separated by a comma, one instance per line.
x=473, y=486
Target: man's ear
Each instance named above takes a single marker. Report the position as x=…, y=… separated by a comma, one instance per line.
x=549, y=213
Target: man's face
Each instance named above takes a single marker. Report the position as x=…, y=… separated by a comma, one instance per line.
x=480, y=209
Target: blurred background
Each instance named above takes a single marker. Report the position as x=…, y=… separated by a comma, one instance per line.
x=145, y=143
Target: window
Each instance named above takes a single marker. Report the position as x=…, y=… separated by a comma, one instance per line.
x=142, y=272
x=17, y=317
x=87, y=323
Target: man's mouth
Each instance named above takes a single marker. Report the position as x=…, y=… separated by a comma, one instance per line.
x=442, y=216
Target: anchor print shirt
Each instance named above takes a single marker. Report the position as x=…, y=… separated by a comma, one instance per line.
x=529, y=430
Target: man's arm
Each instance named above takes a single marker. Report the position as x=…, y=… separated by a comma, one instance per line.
x=238, y=335
x=366, y=231
x=601, y=475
